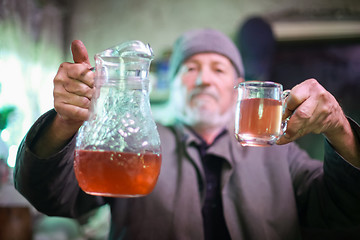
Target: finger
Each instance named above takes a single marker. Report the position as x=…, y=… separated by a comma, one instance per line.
x=79, y=52
x=301, y=122
x=79, y=88
x=71, y=112
x=75, y=78
x=61, y=96
x=82, y=73
x=75, y=71
x=297, y=96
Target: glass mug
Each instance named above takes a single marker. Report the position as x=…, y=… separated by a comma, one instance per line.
x=258, y=119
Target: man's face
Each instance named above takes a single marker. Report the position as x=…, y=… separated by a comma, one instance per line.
x=207, y=86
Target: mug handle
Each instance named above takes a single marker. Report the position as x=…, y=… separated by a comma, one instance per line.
x=284, y=95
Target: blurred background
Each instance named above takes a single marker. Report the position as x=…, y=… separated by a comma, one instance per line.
x=285, y=41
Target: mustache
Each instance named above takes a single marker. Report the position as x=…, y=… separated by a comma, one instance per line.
x=204, y=90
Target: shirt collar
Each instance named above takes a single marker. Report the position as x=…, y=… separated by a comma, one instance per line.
x=220, y=147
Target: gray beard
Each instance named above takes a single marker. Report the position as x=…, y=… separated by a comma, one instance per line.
x=205, y=120
x=200, y=118
x=196, y=116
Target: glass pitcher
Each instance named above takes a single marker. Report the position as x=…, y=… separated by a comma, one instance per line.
x=118, y=148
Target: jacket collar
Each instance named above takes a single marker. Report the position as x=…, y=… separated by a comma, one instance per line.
x=222, y=146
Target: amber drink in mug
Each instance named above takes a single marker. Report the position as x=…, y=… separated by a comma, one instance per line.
x=258, y=119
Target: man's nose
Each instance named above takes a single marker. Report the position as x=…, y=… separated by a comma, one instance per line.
x=203, y=78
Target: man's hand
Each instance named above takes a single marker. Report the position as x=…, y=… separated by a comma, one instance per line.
x=73, y=90
x=315, y=110
x=74, y=87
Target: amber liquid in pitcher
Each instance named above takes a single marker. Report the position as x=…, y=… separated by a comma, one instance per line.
x=116, y=174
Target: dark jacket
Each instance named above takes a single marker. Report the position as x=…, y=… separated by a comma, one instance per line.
x=267, y=193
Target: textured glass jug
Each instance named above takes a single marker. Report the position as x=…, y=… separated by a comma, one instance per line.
x=118, y=148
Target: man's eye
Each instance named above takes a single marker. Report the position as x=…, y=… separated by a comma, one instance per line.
x=219, y=70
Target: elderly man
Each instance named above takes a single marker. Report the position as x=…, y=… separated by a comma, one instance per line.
x=210, y=187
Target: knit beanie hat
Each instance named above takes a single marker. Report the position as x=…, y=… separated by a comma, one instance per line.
x=202, y=41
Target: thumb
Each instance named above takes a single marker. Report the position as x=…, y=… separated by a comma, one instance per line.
x=79, y=52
